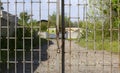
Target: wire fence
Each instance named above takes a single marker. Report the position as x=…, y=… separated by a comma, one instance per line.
x=59, y=36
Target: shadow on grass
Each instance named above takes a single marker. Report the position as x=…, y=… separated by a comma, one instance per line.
x=28, y=61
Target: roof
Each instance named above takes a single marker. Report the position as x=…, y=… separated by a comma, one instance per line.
x=7, y=16
x=42, y=21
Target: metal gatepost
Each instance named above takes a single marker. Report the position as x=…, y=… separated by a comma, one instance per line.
x=63, y=37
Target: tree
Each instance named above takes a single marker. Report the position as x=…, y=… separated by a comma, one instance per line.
x=52, y=21
x=109, y=11
x=105, y=8
x=24, y=18
x=43, y=25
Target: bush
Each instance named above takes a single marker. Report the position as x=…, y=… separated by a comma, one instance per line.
x=19, y=44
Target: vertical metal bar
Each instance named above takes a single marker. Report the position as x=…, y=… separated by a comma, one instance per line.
x=31, y=36
x=58, y=14
x=23, y=37
x=57, y=35
x=94, y=31
x=103, y=44
x=110, y=31
x=0, y=30
x=48, y=70
x=118, y=11
x=57, y=23
x=63, y=36
x=39, y=31
x=8, y=37
x=78, y=31
x=69, y=28
x=103, y=55
x=86, y=23
x=84, y=12
x=15, y=36
x=79, y=13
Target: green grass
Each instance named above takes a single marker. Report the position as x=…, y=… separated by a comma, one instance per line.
x=99, y=45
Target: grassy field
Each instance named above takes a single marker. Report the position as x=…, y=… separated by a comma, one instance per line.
x=101, y=45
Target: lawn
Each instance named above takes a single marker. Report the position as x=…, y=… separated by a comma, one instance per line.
x=111, y=46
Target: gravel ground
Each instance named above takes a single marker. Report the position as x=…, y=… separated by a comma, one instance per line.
x=79, y=60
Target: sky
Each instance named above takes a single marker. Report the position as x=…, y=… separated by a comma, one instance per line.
x=42, y=10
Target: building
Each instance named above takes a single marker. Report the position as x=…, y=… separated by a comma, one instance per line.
x=73, y=32
x=7, y=23
x=70, y=33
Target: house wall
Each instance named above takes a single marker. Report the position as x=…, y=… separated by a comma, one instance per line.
x=72, y=35
x=42, y=34
x=7, y=23
x=51, y=30
x=5, y=28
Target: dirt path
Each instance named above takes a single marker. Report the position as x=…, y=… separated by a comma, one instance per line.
x=79, y=60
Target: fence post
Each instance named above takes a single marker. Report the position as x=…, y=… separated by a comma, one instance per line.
x=63, y=36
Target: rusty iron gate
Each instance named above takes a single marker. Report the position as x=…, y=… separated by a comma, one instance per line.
x=59, y=36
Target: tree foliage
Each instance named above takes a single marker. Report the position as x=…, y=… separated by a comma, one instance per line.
x=43, y=24
x=28, y=23
x=52, y=21
x=104, y=14
x=24, y=18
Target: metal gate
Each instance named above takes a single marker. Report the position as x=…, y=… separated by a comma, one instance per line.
x=59, y=36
